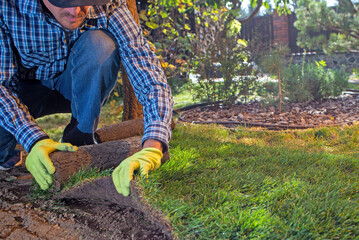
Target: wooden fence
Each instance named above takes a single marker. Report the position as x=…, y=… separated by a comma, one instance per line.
x=293, y=34
x=259, y=29
x=270, y=29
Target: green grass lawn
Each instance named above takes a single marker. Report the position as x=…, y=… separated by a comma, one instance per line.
x=253, y=184
x=222, y=184
x=182, y=99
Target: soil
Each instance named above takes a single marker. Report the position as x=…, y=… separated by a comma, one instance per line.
x=90, y=211
x=330, y=112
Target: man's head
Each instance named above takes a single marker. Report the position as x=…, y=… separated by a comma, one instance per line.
x=71, y=13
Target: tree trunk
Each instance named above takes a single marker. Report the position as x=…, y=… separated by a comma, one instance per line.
x=121, y=130
x=132, y=109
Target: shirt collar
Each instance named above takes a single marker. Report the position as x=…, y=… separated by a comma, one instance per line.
x=97, y=11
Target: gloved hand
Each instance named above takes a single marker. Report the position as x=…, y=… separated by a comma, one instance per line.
x=148, y=159
x=38, y=161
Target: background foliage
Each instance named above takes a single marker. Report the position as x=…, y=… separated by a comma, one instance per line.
x=168, y=30
x=222, y=63
x=312, y=81
x=201, y=38
x=300, y=83
x=341, y=23
x=185, y=33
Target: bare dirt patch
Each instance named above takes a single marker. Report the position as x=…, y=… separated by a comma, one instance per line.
x=89, y=211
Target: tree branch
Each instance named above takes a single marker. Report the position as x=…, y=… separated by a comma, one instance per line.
x=353, y=6
x=254, y=13
x=342, y=31
x=336, y=29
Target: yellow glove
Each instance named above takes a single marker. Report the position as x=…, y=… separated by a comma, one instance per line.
x=148, y=159
x=38, y=161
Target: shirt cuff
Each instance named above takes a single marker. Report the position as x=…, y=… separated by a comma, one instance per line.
x=29, y=135
x=159, y=131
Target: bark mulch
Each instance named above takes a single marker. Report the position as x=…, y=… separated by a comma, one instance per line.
x=330, y=112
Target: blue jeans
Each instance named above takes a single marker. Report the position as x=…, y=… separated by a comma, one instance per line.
x=82, y=89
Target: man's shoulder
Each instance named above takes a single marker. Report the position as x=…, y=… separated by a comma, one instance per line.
x=22, y=6
x=7, y=4
x=116, y=3
x=97, y=10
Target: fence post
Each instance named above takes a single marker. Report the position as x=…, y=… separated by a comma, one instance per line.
x=280, y=29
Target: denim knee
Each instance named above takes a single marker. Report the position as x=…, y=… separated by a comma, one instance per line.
x=99, y=46
x=7, y=144
x=93, y=63
x=90, y=75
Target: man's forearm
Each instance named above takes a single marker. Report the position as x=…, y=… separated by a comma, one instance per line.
x=16, y=119
x=153, y=143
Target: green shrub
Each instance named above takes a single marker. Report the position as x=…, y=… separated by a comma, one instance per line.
x=312, y=81
x=224, y=78
x=169, y=32
x=273, y=62
x=225, y=67
x=269, y=88
x=268, y=92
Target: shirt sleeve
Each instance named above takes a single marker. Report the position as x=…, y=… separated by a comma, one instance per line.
x=14, y=116
x=146, y=75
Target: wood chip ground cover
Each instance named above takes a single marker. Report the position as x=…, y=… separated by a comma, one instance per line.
x=338, y=111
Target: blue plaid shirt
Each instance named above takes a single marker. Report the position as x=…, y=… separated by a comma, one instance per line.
x=42, y=43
